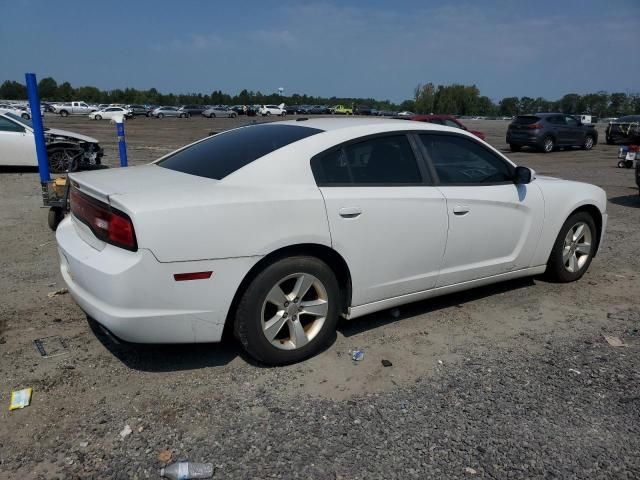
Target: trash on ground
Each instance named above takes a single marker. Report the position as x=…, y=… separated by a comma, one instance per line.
x=357, y=355
x=386, y=363
x=575, y=371
x=614, y=341
x=51, y=346
x=20, y=398
x=126, y=431
x=187, y=470
x=165, y=455
x=470, y=471
x=440, y=362
x=84, y=444
x=60, y=291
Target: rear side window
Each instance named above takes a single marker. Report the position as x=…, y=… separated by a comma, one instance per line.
x=525, y=120
x=387, y=160
x=223, y=154
x=461, y=161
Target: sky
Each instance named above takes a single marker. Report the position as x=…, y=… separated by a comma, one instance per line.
x=351, y=48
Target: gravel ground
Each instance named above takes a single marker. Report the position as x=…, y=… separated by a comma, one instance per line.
x=510, y=381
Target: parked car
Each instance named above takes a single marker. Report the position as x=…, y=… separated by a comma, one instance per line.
x=138, y=110
x=304, y=109
x=318, y=110
x=162, y=112
x=16, y=110
x=624, y=130
x=266, y=110
x=193, y=109
x=17, y=145
x=342, y=110
x=291, y=109
x=548, y=131
x=283, y=289
x=213, y=112
x=405, y=113
x=239, y=109
x=362, y=110
x=446, y=120
x=111, y=113
x=72, y=108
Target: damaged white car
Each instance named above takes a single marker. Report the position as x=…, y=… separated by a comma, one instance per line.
x=65, y=150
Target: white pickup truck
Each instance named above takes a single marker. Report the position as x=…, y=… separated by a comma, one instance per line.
x=72, y=108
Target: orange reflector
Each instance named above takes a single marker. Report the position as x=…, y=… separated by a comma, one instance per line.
x=181, y=277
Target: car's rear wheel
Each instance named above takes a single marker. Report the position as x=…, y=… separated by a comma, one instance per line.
x=588, y=142
x=548, y=144
x=574, y=248
x=289, y=311
x=64, y=113
x=514, y=148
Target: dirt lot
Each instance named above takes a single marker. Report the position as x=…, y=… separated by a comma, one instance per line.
x=510, y=381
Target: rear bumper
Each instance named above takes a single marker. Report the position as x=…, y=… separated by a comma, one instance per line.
x=136, y=297
x=524, y=139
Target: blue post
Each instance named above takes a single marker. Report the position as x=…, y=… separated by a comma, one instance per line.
x=38, y=130
x=122, y=144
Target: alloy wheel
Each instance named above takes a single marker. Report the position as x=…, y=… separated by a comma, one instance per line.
x=577, y=247
x=588, y=143
x=294, y=311
x=548, y=144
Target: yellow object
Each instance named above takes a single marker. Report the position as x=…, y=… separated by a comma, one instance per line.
x=59, y=184
x=20, y=398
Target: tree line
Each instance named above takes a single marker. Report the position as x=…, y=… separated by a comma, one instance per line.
x=428, y=98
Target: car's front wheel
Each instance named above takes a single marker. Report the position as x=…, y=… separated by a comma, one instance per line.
x=289, y=311
x=574, y=248
x=161, y=115
x=98, y=117
x=514, y=148
x=588, y=142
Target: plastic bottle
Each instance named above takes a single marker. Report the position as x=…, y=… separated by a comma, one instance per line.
x=187, y=470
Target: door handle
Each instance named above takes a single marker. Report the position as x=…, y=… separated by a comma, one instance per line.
x=350, y=212
x=461, y=210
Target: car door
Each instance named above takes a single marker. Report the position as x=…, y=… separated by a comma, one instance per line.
x=575, y=134
x=386, y=218
x=17, y=146
x=494, y=225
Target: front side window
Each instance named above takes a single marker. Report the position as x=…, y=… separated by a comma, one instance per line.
x=571, y=121
x=459, y=161
x=222, y=154
x=387, y=160
x=8, y=126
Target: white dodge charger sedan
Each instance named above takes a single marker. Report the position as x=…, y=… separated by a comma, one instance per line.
x=281, y=228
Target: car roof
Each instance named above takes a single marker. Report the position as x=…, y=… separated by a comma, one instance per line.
x=420, y=117
x=333, y=124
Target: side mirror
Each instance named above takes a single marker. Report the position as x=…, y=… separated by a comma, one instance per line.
x=523, y=175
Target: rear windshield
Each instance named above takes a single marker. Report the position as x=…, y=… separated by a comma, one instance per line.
x=525, y=120
x=223, y=154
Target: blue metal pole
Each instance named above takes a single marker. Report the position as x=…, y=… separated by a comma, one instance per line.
x=122, y=144
x=38, y=129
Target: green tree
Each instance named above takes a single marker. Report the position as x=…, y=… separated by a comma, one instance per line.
x=509, y=106
x=11, y=90
x=48, y=88
x=424, y=98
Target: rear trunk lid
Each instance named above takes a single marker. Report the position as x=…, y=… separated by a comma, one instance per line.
x=523, y=122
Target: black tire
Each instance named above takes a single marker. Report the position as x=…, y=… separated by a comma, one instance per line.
x=161, y=115
x=548, y=144
x=234, y=115
x=628, y=163
x=148, y=114
x=610, y=141
x=589, y=141
x=26, y=116
x=622, y=164
x=64, y=113
x=248, y=326
x=213, y=115
x=98, y=117
x=268, y=114
x=55, y=216
x=514, y=148
x=556, y=268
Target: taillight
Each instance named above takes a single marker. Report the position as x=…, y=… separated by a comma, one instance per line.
x=534, y=126
x=108, y=224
